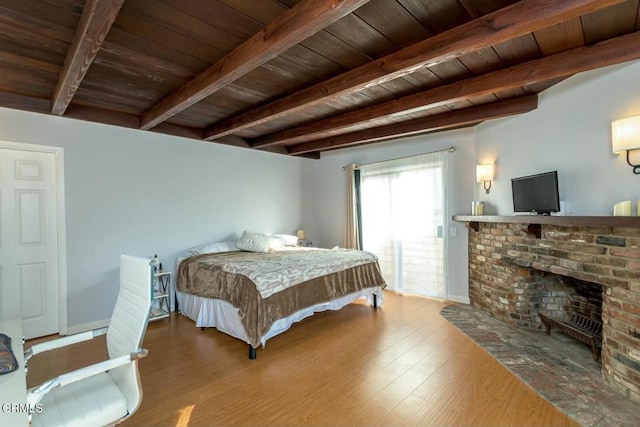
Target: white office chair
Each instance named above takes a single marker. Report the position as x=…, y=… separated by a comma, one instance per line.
x=108, y=392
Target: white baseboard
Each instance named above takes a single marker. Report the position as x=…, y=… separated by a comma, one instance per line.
x=87, y=326
x=459, y=298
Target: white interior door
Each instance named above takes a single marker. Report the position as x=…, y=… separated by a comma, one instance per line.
x=29, y=275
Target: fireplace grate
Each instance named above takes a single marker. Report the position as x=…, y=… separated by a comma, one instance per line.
x=580, y=327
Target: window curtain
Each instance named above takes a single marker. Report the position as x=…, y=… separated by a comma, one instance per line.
x=351, y=237
x=403, y=212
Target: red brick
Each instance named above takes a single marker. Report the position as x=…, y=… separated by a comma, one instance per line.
x=632, y=308
x=623, y=324
x=614, y=282
x=626, y=274
x=612, y=261
x=568, y=246
x=624, y=295
x=625, y=252
x=627, y=231
x=597, y=269
x=582, y=257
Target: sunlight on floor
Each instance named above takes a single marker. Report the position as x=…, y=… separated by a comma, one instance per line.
x=185, y=416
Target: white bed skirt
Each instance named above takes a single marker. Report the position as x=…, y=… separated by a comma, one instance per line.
x=219, y=314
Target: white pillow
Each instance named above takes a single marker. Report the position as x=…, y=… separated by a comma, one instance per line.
x=286, y=239
x=253, y=242
x=213, y=247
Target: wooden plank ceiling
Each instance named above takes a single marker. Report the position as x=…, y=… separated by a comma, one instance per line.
x=300, y=77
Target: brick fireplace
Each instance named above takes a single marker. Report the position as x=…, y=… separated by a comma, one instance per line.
x=522, y=265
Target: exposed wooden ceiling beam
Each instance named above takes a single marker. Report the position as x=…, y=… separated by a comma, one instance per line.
x=303, y=20
x=453, y=119
x=513, y=21
x=610, y=52
x=95, y=22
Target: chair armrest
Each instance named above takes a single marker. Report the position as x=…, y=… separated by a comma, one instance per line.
x=62, y=342
x=35, y=394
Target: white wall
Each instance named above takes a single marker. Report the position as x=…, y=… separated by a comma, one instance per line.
x=143, y=193
x=324, y=195
x=569, y=132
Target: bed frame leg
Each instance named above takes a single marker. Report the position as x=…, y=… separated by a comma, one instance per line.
x=375, y=301
x=202, y=328
x=252, y=352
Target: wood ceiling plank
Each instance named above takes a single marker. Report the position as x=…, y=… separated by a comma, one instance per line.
x=262, y=11
x=20, y=60
x=255, y=81
x=180, y=22
x=164, y=56
x=518, y=50
x=452, y=119
x=285, y=70
x=26, y=81
x=221, y=16
x=451, y=71
x=609, y=52
x=25, y=102
x=479, y=8
x=340, y=52
x=482, y=61
x=305, y=19
x=263, y=75
x=362, y=36
x=421, y=79
x=155, y=33
x=437, y=15
x=42, y=19
x=396, y=23
x=505, y=24
x=611, y=22
x=109, y=80
x=309, y=61
x=14, y=33
x=560, y=37
x=93, y=27
x=115, y=55
x=108, y=59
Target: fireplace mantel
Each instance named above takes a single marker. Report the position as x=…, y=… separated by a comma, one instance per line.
x=567, y=221
x=534, y=222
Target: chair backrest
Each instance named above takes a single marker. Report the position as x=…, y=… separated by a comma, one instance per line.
x=129, y=323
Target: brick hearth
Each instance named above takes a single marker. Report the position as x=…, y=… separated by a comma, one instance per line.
x=512, y=273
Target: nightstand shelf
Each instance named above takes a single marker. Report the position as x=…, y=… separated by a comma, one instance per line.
x=160, y=306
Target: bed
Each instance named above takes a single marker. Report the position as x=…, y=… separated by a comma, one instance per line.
x=256, y=295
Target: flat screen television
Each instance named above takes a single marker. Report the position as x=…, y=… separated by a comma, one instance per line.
x=536, y=194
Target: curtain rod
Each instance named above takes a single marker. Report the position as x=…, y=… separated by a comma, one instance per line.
x=450, y=150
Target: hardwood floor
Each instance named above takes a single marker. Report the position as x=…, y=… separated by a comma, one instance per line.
x=403, y=364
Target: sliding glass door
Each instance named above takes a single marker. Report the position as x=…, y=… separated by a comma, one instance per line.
x=403, y=211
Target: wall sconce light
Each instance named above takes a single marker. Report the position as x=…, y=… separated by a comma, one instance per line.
x=484, y=174
x=625, y=135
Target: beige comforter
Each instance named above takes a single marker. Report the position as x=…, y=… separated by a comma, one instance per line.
x=217, y=276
